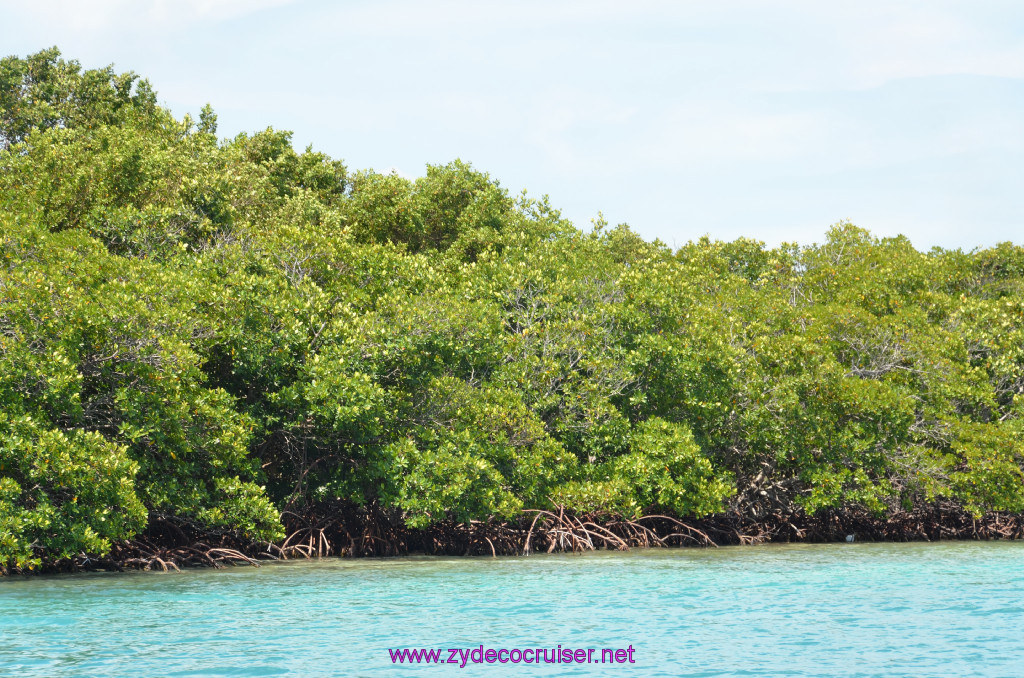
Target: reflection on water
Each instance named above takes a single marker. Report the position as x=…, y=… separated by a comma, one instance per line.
x=949, y=609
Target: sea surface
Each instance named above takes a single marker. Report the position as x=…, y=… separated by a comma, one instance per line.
x=938, y=609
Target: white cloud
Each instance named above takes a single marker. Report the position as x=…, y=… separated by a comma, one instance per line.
x=922, y=39
x=747, y=117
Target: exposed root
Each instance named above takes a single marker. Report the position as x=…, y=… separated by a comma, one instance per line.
x=529, y=533
x=342, y=529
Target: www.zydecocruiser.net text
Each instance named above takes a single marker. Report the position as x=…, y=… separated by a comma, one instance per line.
x=462, y=657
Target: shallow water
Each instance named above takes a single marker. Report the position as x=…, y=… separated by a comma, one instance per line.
x=948, y=609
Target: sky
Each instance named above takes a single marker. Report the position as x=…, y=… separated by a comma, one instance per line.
x=764, y=119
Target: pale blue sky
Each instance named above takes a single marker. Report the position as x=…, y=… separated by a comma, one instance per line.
x=763, y=119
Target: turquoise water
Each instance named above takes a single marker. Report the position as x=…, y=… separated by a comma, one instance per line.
x=950, y=609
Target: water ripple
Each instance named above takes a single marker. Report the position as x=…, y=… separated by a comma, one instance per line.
x=823, y=610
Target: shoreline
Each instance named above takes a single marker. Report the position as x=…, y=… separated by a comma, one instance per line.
x=340, y=530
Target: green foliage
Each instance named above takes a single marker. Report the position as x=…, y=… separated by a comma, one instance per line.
x=664, y=470
x=433, y=212
x=43, y=91
x=218, y=329
x=62, y=493
x=988, y=471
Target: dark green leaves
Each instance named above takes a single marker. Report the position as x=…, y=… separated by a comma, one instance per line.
x=220, y=330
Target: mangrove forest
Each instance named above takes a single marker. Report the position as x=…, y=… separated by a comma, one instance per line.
x=228, y=349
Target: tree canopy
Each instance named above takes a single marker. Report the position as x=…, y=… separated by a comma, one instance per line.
x=221, y=329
